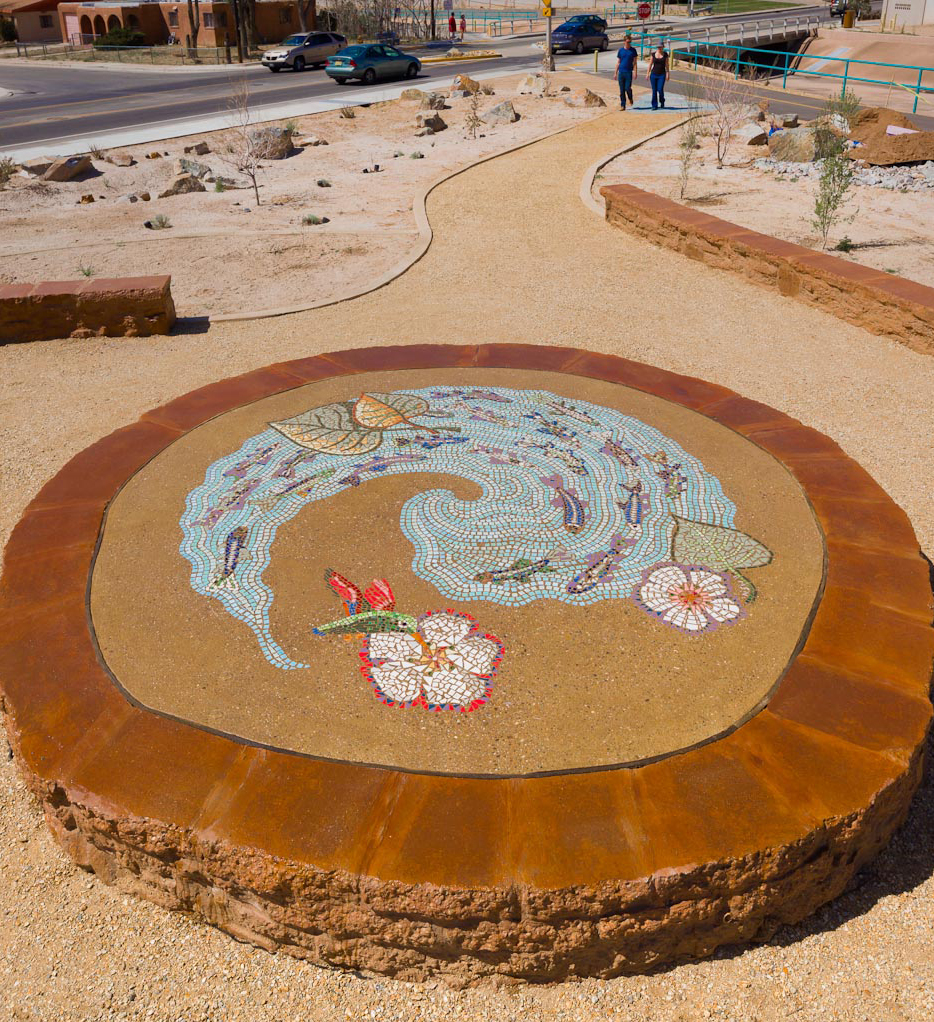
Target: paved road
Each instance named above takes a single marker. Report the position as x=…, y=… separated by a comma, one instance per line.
x=55, y=103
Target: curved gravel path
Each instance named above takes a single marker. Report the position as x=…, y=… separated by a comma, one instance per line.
x=516, y=257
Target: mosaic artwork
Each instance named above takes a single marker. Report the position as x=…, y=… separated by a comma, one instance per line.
x=579, y=503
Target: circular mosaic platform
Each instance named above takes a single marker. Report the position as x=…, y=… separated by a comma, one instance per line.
x=470, y=660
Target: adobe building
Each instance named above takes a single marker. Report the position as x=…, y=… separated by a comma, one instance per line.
x=36, y=21
x=162, y=22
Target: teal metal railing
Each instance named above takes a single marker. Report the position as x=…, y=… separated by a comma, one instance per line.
x=848, y=70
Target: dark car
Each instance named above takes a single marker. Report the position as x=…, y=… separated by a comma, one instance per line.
x=578, y=36
x=369, y=61
x=588, y=19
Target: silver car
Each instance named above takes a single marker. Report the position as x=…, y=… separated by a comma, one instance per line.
x=303, y=50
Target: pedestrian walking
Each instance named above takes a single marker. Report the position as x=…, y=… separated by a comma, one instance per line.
x=452, y=26
x=463, y=26
x=658, y=75
x=627, y=58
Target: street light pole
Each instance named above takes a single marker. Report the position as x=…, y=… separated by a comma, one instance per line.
x=548, y=59
x=432, y=32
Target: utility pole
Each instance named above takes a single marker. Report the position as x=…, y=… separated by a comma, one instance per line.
x=548, y=60
x=432, y=32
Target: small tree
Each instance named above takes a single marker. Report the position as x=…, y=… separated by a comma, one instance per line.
x=307, y=14
x=730, y=100
x=243, y=147
x=473, y=122
x=687, y=143
x=836, y=177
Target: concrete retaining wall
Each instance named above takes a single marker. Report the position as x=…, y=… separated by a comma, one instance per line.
x=108, y=307
x=877, y=301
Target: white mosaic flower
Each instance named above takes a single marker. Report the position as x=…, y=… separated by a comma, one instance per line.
x=445, y=664
x=691, y=598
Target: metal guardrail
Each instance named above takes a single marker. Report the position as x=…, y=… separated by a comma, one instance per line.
x=693, y=51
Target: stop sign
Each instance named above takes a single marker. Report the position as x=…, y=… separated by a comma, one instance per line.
x=644, y=11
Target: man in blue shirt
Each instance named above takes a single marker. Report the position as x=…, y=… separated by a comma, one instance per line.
x=627, y=58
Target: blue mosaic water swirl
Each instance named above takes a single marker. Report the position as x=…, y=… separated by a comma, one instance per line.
x=576, y=501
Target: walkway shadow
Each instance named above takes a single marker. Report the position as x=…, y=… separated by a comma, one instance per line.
x=191, y=325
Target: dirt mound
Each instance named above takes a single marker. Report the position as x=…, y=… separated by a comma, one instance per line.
x=872, y=121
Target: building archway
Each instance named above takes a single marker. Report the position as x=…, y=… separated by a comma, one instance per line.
x=132, y=21
x=86, y=28
x=99, y=27
x=113, y=22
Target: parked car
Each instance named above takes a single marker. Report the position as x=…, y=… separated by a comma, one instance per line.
x=578, y=36
x=588, y=19
x=305, y=49
x=369, y=61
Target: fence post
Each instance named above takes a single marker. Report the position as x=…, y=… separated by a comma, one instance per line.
x=785, y=75
x=846, y=74
x=696, y=48
x=914, y=108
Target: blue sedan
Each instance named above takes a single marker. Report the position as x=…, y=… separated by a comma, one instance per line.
x=369, y=61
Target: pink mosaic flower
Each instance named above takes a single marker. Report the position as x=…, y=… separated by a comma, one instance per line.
x=691, y=598
x=444, y=664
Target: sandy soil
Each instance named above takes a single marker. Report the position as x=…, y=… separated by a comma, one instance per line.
x=214, y=236
x=890, y=229
x=73, y=949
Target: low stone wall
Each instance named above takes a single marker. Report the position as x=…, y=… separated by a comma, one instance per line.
x=877, y=301
x=108, y=307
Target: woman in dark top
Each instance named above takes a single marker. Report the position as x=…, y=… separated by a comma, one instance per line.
x=658, y=75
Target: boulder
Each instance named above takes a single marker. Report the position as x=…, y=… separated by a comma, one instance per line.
x=793, y=145
x=273, y=143
x=502, y=113
x=789, y=120
x=422, y=132
x=455, y=52
x=85, y=199
x=584, y=97
x=67, y=168
x=38, y=166
x=411, y=95
x=198, y=149
x=430, y=119
x=153, y=156
x=120, y=159
x=145, y=196
x=193, y=167
x=466, y=84
x=533, y=85
x=311, y=140
x=182, y=184
x=432, y=101
x=751, y=134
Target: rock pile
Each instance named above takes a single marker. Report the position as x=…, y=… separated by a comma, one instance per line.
x=899, y=179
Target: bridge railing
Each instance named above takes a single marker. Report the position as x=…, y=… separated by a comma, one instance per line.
x=916, y=79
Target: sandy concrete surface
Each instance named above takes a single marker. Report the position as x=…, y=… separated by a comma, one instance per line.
x=578, y=686
x=516, y=257
x=48, y=234
x=888, y=228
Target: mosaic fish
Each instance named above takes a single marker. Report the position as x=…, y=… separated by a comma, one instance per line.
x=300, y=488
x=481, y=415
x=287, y=469
x=571, y=412
x=624, y=455
x=233, y=547
x=379, y=463
x=521, y=570
x=566, y=498
x=235, y=500
x=552, y=427
x=475, y=394
x=568, y=458
x=635, y=504
x=261, y=457
x=671, y=475
x=601, y=565
x=430, y=443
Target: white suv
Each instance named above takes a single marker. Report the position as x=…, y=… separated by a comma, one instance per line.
x=303, y=50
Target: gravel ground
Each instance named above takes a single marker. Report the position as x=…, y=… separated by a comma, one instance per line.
x=516, y=257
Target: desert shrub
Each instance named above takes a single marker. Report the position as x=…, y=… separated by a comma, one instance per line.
x=219, y=186
x=348, y=112
x=7, y=169
x=160, y=222
x=687, y=143
x=121, y=37
x=845, y=244
x=836, y=178
x=311, y=220
x=86, y=270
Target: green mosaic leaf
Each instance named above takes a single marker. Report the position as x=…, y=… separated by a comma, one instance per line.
x=368, y=622
x=719, y=548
